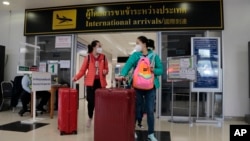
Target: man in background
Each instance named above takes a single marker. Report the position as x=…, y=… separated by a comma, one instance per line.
x=26, y=96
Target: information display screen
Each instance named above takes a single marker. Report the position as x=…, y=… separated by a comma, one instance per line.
x=207, y=51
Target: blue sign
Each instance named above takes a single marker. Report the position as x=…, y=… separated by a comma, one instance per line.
x=207, y=52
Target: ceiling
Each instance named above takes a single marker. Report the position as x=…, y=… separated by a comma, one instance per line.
x=30, y=4
x=116, y=44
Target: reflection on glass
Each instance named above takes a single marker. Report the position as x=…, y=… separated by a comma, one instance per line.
x=29, y=55
x=53, y=57
x=178, y=44
x=204, y=53
x=174, y=45
x=207, y=68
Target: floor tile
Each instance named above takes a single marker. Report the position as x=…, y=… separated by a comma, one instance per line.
x=160, y=135
x=164, y=129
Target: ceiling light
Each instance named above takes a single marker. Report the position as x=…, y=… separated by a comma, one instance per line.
x=132, y=43
x=6, y=3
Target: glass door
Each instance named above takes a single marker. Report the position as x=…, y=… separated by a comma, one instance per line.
x=175, y=44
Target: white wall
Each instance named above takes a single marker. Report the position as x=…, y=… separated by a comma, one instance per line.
x=4, y=27
x=235, y=39
x=11, y=34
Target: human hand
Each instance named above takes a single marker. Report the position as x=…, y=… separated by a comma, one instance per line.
x=105, y=72
x=152, y=69
x=74, y=79
x=120, y=78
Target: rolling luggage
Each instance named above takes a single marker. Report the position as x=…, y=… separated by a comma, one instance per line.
x=67, y=111
x=114, y=115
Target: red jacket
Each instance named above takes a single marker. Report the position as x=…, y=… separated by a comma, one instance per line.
x=90, y=66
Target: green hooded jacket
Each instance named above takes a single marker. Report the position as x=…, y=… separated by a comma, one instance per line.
x=133, y=60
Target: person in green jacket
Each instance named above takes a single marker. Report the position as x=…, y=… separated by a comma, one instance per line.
x=151, y=46
x=143, y=49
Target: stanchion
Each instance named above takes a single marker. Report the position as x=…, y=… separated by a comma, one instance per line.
x=34, y=119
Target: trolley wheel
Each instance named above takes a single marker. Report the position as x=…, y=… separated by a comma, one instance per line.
x=61, y=133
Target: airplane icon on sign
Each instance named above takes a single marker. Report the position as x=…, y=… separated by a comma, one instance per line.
x=63, y=19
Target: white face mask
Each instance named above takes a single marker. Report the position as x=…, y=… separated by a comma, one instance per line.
x=138, y=48
x=99, y=50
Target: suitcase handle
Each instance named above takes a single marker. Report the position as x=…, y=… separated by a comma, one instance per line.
x=118, y=81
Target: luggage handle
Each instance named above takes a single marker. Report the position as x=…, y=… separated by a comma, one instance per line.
x=119, y=81
x=119, y=84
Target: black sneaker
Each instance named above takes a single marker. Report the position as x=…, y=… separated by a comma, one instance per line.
x=21, y=112
x=40, y=109
x=140, y=125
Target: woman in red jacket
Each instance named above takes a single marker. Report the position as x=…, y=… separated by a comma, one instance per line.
x=97, y=66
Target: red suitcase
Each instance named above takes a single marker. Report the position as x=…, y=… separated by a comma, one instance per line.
x=114, y=115
x=67, y=111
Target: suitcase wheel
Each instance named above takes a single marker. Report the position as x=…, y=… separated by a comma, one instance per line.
x=75, y=132
x=61, y=133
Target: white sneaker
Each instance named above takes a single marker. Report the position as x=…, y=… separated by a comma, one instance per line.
x=89, y=123
x=151, y=137
x=135, y=136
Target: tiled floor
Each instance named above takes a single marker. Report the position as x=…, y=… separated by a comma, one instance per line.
x=164, y=129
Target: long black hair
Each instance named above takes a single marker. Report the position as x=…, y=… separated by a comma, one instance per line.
x=149, y=42
x=92, y=45
x=143, y=39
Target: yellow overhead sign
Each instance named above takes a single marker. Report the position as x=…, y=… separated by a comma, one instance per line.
x=64, y=19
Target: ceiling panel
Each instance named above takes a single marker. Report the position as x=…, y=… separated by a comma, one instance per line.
x=117, y=44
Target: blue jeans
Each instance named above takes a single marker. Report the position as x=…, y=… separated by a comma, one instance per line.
x=149, y=96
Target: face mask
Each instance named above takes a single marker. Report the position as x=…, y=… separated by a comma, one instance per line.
x=99, y=50
x=138, y=48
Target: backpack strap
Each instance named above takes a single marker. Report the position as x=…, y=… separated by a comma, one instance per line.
x=104, y=60
x=152, y=62
x=88, y=59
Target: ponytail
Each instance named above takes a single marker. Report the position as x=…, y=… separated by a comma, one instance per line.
x=150, y=44
x=90, y=49
x=92, y=45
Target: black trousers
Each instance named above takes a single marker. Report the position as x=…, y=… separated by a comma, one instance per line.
x=25, y=98
x=91, y=97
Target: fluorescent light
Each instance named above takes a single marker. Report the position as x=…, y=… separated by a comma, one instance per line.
x=133, y=33
x=6, y=3
x=132, y=43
